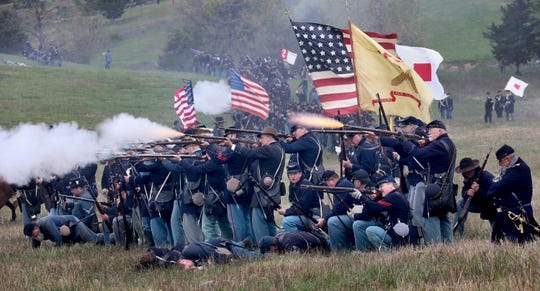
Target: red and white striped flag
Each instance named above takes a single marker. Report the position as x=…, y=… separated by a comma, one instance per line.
x=249, y=96
x=184, y=106
x=327, y=52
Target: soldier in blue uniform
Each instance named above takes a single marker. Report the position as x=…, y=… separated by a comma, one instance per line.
x=511, y=192
x=475, y=186
x=339, y=223
x=306, y=151
x=267, y=172
x=239, y=191
x=161, y=200
x=384, y=223
x=439, y=154
x=295, y=220
x=214, y=219
x=60, y=229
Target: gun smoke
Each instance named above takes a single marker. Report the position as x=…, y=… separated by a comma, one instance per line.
x=39, y=150
x=212, y=97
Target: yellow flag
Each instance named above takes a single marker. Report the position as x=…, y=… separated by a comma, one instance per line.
x=402, y=90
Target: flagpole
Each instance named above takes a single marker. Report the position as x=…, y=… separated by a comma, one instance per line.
x=355, y=76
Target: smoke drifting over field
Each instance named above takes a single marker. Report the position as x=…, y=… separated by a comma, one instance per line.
x=37, y=150
x=212, y=97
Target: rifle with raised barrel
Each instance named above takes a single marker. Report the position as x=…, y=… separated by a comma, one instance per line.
x=467, y=204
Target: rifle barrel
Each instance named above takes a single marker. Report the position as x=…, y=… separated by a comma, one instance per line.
x=209, y=138
x=183, y=156
x=251, y=131
x=328, y=188
x=83, y=199
x=360, y=130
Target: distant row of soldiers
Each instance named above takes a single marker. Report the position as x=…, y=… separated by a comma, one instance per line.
x=501, y=103
x=47, y=56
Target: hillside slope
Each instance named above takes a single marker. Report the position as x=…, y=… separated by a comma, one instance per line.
x=454, y=28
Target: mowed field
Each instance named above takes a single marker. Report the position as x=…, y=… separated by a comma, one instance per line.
x=88, y=95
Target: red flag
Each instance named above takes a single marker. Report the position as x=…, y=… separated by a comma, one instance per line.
x=327, y=52
x=249, y=96
x=183, y=105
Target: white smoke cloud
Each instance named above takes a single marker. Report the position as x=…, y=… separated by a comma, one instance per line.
x=35, y=150
x=212, y=97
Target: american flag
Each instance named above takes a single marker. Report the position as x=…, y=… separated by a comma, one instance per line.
x=327, y=52
x=249, y=96
x=183, y=105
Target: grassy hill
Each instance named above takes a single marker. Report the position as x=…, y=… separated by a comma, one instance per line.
x=454, y=28
x=88, y=94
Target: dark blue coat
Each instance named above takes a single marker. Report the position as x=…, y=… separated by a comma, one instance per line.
x=394, y=204
x=237, y=166
x=415, y=166
x=158, y=175
x=270, y=160
x=436, y=155
x=517, y=180
x=307, y=199
x=191, y=177
x=306, y=150
x=485, y=181
x=339, y=207
x=210, y=171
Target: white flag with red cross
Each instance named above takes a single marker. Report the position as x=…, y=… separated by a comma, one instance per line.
x=516, y=86
x=425, y=62
x=288, y=56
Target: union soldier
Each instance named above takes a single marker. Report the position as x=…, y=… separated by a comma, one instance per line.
x=511, y=192
x=214, y=218
x=306, y=150
x=195, y=256
x=384, y=223
x=60, y=229
x=339, y=223
x=488, y=108
x=267, y=172
x=295, y=219
x=411, y=168
x=440, y=154
x=298, y=242
x=475, y=187
x=239, y=191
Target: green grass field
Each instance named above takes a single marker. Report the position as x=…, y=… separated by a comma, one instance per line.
x=87, y=94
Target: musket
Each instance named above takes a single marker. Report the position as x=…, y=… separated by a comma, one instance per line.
x=211, y=139
x=251, y=131
x=467, y=204
x=172, y=142
x=308, y=217
x=82, y=199
x=360, y=130
x=128, y=233
x=183, y=156
x=339, y=189
x=99, y=206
